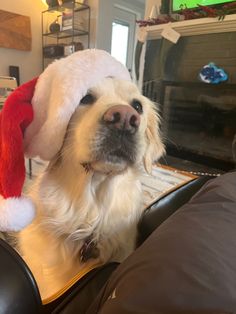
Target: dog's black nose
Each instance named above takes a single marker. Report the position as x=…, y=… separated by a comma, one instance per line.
x=122, y=117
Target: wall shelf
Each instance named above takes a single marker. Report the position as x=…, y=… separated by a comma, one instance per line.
x=68, y=33
x=65, y=29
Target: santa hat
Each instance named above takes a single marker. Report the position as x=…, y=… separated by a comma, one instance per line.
x=34, y=120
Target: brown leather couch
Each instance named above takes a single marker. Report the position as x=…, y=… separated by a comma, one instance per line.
x=185, y=262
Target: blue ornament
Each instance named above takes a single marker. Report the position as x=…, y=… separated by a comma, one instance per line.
x=212, y=74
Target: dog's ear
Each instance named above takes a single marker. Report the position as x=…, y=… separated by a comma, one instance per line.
x=155, y=148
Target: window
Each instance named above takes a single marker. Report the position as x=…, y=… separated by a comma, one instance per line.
x=119, y=44
x=123, y=36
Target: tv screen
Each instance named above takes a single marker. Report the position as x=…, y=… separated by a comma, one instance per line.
x=194, y=3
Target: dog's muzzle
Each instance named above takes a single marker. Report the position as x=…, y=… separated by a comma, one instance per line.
x=119, y=127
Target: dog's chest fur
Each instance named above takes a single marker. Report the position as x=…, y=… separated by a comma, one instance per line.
x=101, y=208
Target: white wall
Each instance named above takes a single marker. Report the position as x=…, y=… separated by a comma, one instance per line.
x=30, y=62
x=94, y=7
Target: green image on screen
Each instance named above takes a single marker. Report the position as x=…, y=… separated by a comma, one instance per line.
x=194, y=3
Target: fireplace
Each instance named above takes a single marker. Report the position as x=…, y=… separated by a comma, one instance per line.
x=199, y=122
x=198, y=119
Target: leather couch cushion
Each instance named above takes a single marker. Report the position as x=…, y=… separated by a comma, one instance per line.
x=187, y=265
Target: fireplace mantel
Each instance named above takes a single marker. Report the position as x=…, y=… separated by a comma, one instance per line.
x=184, y=28
x=195, y=27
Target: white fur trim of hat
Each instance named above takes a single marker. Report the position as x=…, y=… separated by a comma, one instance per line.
x=12, y=217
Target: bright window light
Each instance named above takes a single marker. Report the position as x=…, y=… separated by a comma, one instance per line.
x=119, y=43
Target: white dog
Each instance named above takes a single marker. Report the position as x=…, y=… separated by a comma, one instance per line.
x=89, y=199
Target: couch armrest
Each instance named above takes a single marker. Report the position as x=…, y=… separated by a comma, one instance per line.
x=18, y=289
x=158, y=212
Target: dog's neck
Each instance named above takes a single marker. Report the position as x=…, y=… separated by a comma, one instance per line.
x=87, y=196
x=82, y=181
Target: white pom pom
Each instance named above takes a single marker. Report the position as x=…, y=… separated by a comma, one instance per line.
x=15, y=213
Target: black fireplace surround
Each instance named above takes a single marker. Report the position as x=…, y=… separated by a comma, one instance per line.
x=198, y=119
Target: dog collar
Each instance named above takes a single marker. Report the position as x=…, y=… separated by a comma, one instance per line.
x=88, y=250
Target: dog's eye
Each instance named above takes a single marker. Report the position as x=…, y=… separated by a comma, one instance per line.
x=88, y=99
x=136, y=104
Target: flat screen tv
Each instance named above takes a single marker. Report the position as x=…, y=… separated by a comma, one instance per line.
x=194, y=3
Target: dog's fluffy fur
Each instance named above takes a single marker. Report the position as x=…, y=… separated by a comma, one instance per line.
x=91, y=189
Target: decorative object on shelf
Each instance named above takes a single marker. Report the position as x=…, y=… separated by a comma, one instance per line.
x=189, y=14
x=57, y=3
x=67, y=20
x=212, y=74
x=52, y=3
x=78, y=46
x=55, y=27
x=61, y=50
x=155, y=11
x=155, y=21
x=72, y=47
x=170, y=34
x=53, y=51
x=69, y=49
x=70, y=21
x=206, y=11
x=157, y=16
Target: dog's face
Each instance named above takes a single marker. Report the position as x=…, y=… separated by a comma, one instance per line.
x=114, y=127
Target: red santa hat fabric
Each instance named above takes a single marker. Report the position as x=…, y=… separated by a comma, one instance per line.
x=34, y=121
x=16, y=115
